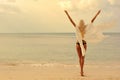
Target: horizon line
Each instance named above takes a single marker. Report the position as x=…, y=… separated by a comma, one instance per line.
x=51, y=33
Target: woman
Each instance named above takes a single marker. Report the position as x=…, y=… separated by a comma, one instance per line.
x=80, y=33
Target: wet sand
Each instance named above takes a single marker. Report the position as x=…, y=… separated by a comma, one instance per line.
x=57, y=72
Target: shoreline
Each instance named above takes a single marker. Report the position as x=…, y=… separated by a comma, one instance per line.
x=58, y=72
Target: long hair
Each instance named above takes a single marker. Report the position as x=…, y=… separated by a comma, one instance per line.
x=82, y=25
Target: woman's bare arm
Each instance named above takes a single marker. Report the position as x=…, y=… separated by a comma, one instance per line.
x=95, y=16
x=70, y=18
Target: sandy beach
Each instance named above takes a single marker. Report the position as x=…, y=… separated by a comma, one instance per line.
x=57, y=72
x=36, y=57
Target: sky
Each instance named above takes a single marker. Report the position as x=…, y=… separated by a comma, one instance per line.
x=47, y=16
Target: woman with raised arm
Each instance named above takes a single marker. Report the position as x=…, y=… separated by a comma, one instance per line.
x=81, y=44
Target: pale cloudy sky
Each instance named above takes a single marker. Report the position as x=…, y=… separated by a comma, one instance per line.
x=40, y=16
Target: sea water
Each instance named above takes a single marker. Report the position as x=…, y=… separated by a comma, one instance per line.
x=56, y=48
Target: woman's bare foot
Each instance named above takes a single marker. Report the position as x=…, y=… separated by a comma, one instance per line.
x=82, y=74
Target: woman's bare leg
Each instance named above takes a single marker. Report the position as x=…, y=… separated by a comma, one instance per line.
x=81, y=58
x=82, y=65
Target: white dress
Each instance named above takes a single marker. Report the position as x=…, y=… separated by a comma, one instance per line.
x=93, y=34
x=79, y=39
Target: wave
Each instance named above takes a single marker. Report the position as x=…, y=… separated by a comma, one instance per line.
x=15, y=64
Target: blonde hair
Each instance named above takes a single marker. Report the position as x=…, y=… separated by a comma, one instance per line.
x=82, y=27
x=81, y=23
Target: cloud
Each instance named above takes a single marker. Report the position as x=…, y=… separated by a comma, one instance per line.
x=35, y=0
x=66, y=4
x=112, y=2
x=108, y=6
x=84, y=6
x=8, y=7
x=13, y=1
x=36, y=16
x=7, y=1
x=88, y=4
x=86, y=9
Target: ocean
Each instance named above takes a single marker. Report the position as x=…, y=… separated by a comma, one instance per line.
x=56, y=48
